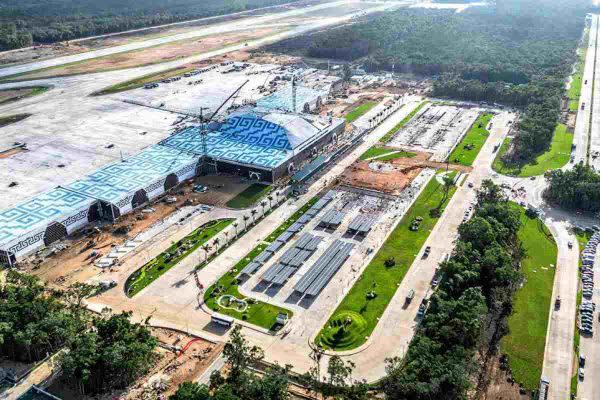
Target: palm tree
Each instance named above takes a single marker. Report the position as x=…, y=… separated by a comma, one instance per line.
x=263, y=203
x=448, y=183
x=246, y=218
x=270, y=197
x=216, y=244
x=206, y=248
x=235, y=225
x=226, y=233
x=278, y=193
x=253, y=212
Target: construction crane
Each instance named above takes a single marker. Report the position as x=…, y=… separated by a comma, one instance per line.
x=192, y=113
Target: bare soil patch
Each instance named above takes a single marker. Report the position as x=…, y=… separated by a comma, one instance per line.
x=151, y=55
x=74, y=264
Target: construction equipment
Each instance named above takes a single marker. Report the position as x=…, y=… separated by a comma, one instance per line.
x=194, y=114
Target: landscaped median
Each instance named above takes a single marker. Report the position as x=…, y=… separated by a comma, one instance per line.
x=156, y=267
x=355, y=318
x=384, y=153
x=359, y=111
x=556, y=157
x=388, y=136
x=144, y=79
x=468, y=148
x=224, y=296
x=526, y=340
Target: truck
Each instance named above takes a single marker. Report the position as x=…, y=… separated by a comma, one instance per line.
x=410, y=296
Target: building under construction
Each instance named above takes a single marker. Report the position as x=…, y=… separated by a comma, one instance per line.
x=263, y=146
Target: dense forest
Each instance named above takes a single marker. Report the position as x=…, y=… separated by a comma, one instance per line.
x=468, y=311
x=515, y=52
x=575, y=189
x=96, y=354
x=25, y=22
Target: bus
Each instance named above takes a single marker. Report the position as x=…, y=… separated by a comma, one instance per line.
x=222, y=320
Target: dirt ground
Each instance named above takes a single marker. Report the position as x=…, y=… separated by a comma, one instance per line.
x=499, y=386
x=74, y=264
x=152, y=55
x=169, y=371
x=387, y=179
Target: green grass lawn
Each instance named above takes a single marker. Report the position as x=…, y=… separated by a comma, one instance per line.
x=388, y=136
x=403, y=245
x=250, y=196
x=259, y=313
x=528, y=324
x=359, y=111
x=156, y=267
x=385, y=153
x=466, y=151
x=575, y=89
x=11, y=119
x=556, y=157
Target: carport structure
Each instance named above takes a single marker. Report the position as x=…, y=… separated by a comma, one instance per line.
x=43, y=220
x=124, y=186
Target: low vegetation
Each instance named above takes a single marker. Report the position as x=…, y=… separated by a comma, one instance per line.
x=467, y=310
x=385, y=153
x=467, y=150
x=527, y=325
x=388, y=136
x=575, y=189
x=249, y=196
x=11, y=95
x=143, y=80
x=556, y=157
x=359, y=111
x=11, y=119
x=156, y=267
x=358, y=313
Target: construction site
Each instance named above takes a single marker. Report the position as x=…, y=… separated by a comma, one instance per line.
x=436, y=129
x=230, y=190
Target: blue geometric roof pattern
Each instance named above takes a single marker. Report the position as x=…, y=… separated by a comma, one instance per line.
x=252, y=129
x=244, y=138
x=282, y=99
x=114, y=181
x=40, y=211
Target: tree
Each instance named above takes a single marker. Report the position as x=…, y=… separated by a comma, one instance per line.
x=253, y=212
x=246, y=218
x=239, y=355
x=111, y=356
x=191, y=391
x=206, y=247
x=235, y=225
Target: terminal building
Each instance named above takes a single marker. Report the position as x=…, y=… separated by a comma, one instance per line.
x=265, y=145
